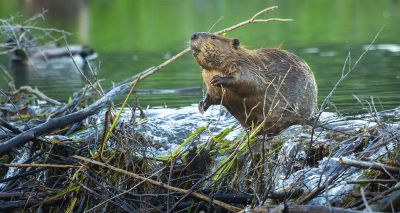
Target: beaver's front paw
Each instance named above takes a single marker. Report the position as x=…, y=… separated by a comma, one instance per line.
x=204, y=104
x=201, y=107
x=222, y=81
x=217, y=81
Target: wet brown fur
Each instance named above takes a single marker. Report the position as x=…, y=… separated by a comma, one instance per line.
x=267, y=85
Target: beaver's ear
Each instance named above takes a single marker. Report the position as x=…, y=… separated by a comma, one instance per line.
x=236, y=43
x=233, y=68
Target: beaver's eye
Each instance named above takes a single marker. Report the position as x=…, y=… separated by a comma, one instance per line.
x=236, y=43
x=213, y=37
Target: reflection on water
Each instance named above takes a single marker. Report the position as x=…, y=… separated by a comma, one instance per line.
x=131, y=36
x=61, y=75
x=394, y=48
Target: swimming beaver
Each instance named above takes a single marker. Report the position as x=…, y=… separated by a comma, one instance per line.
x=266, y=85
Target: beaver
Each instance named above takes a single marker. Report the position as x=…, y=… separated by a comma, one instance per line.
x=269, y=85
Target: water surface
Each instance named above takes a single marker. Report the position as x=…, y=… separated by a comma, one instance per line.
x=131, y=36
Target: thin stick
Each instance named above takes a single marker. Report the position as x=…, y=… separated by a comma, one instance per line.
x=363, y=181
x=364, y=199
x=266, y=10
x=101, y=93
x=38, y=93
x=215, y=23
x=254, y=20
x=367, y=165
x=41, y=165
x=172, y=188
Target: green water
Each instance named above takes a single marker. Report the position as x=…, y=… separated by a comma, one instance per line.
x=132, y=35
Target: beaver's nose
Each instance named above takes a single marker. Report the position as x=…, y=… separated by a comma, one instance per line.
x=194, y=36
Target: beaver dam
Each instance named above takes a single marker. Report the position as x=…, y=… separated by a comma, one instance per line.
x=91, y=154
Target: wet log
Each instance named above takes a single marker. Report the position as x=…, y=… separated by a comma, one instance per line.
x=14, y=129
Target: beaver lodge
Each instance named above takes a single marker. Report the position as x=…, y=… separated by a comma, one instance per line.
x=90, y=155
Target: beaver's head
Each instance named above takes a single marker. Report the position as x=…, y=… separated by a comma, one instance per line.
x=214, y=52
